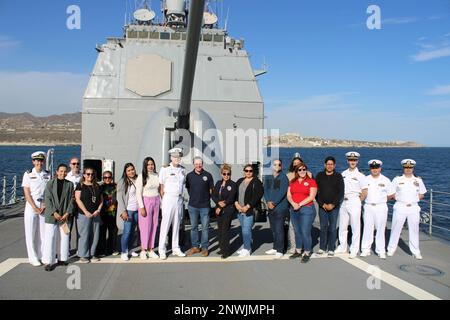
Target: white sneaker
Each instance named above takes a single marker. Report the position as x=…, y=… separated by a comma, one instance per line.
x=278, y=255
x=134, y=254
x=36, y=263
x=153, y=255
x=365, y=254
x=418, y=256
x=244, y=253
x=179, y=253
x=124, y=257
x=390, y=253
x=271, y=251
x=382, y=256
x=340, y=250
x=115, y=253
x=162, y=256
x=353, y=255
x=143, y=255
x=239, y=251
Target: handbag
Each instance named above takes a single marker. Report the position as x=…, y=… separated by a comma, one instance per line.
x=260, y=215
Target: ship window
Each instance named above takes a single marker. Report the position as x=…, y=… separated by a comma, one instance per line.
x=218, y=38
x=132, y=34
x=154, y=35
x=143, y=34
x=207, y=37
x=165, y=36
x=176, y=36
x=184, y=36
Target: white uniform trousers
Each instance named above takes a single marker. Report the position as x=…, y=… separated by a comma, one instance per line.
x=34, y=233
x=350, y=213
x=171, y=209
x=56, y=243
x=401, y=213
x=375, y=217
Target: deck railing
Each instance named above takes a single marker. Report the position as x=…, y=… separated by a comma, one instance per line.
x=9, y=194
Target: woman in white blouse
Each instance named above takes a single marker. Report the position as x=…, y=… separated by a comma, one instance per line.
x=128, y=207
x=147, y=185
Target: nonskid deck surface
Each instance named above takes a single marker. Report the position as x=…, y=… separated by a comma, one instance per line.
x=256, y=277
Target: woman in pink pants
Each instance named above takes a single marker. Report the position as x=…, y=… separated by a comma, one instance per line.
x=147, y=191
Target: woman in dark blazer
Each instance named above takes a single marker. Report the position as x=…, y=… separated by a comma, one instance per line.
x=224, y=196
x=250, y=192
x=58, y=209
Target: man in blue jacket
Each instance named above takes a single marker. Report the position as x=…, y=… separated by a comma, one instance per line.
x=275, y=190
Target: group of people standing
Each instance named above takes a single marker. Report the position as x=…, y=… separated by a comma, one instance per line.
x=339, y=197
x=75, y=199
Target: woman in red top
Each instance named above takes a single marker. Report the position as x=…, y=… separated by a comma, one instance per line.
x=301, y=193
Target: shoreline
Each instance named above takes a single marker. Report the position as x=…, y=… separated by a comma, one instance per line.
x=73, y=144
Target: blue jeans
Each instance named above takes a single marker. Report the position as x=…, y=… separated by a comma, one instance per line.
x=302, y=221
x=194, y=213
x=88, y=235
x=246, y=227
x=328, y=232
x=128, y=231
x=277, y=218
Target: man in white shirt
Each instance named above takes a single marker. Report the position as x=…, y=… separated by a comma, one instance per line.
x=34, y=183
x=171, y=179
x=350, y=211
x=74, y=175
x=379, y=191
x=409, y=190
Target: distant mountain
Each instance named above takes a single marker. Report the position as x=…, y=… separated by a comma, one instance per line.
x=26, y=129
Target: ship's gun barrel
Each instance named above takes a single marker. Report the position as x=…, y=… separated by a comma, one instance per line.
x=193, y=37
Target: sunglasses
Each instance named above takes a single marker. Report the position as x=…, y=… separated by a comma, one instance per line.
x=107, y=177
x=226, y=174
x=301, y=170
x=248, y=170
x=89, y=174
x=75, y=163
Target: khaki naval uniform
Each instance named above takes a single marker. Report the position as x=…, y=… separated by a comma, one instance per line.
x=407, y=191
x=375, y=213
x=350, y=211
x=34, y=223
x=173, y=179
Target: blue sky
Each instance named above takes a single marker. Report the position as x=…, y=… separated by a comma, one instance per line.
x=329, y=75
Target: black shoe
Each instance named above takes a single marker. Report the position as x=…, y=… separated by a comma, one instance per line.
x=305, y=258
x=63, y=263
x=224, y=256
x=295, y=255
x=49, y=267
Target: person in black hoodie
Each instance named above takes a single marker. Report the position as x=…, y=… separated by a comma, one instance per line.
x=250, y=192
x=329, y=197
x=224, y=196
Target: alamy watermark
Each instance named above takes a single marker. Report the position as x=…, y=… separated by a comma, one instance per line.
x=74, y=280
x=374, y=20
x=374, y=281
x=73, y=22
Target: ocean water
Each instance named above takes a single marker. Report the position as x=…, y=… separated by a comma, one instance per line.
x=431, y=165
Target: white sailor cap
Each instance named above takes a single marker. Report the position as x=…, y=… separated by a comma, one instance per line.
x=374, y=163
x=176, y=152
x=408, y=163
x=352, y=155
x=38, y=155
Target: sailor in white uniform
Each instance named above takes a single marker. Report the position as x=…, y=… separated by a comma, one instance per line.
x=380, y=190
x=350, y=211
x=409, y=190
x=172, y=180
x=34, y=183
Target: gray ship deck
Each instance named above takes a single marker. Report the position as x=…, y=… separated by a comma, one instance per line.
x=258, y=277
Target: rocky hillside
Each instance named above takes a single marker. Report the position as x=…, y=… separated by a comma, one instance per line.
x=26, y=129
